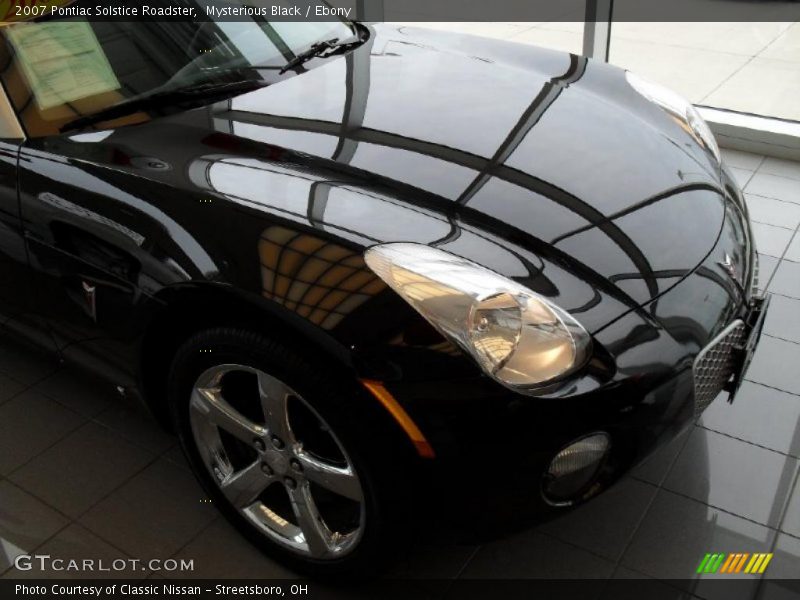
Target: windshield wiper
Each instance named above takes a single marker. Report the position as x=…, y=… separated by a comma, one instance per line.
x=322, y=49
x=163, y=98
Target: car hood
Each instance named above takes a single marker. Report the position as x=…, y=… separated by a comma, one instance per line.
x=555, y=146
x=470, y=144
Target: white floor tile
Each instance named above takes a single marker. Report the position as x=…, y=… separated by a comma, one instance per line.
x=81, y=469
x=741, y=160
x=29, y=424
x=773, y=186
x=154, y=514
x=773, y=212
x=781, y=167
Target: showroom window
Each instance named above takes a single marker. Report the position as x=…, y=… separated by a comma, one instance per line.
x=744, y=72
x=744, y=67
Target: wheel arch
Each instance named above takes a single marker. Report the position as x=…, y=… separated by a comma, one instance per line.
x=180, y=311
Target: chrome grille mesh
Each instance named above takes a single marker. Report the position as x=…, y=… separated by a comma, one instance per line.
x=715, y=364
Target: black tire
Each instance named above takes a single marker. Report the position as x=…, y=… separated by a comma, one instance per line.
x=374, y=446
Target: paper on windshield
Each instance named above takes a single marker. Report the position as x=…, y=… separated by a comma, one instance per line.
x=63, y=62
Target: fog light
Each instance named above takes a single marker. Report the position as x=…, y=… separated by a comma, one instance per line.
x=575, y=468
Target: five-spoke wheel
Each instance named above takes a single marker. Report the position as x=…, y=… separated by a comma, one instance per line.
x=277, y=461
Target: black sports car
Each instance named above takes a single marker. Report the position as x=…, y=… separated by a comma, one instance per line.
x=360, y=269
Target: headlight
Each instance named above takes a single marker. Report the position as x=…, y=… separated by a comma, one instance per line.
x=680, y=108
x=516, y=336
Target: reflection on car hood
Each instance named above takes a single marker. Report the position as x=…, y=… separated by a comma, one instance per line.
x=558, y=147
x=548, y=151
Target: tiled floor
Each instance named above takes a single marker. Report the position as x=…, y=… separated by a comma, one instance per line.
x=84, y=474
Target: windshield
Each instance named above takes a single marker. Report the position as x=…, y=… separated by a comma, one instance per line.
x=59, y=70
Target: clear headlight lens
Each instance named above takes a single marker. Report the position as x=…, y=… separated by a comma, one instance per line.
x=516, y=336
x=680, y=108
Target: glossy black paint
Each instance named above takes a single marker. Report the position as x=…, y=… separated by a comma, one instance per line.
x=13, y=258
x=542, y=166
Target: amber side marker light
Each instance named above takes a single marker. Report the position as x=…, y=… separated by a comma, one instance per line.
x=403, y=419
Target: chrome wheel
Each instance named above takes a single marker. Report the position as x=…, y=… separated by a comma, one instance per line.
x=277, y=461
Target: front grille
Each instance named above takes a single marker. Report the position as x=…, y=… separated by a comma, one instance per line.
x=715, y=365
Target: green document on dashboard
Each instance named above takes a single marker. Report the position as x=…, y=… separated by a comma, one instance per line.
x=63, y=62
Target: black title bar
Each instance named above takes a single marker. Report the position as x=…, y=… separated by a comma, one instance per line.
x=404, y=10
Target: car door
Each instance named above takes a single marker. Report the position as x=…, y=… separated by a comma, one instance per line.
x=90, y=229
x=15, y=313
x=85, y=258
